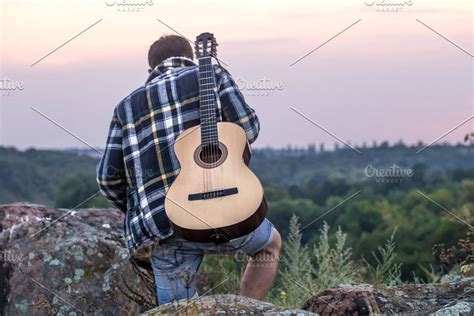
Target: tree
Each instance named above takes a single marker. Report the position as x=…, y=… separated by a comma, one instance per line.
x=77, y=190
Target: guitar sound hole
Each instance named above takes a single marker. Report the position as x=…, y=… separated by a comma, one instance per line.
x=210, y=156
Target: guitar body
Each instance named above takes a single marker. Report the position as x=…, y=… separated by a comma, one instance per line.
x=214, y=199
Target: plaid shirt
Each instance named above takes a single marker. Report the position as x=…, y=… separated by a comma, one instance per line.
x=139, y=163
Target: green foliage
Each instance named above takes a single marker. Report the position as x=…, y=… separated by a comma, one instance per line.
x=467, y=191
x=387, y=270
x=333, y=265
x=34, y=175
x=305, y=273
x=79, y=190
x=298, y=271
x=432, y=276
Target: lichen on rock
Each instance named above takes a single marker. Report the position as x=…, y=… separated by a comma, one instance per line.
x=227, y=304
x=64, y=265
x=408, y=298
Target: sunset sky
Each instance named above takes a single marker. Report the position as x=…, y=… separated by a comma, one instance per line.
x=387, y=77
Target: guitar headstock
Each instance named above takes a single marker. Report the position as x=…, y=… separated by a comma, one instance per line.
x=205, y=45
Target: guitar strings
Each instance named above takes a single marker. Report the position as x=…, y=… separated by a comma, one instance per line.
x=204, y=149
x=216, y=146
x=210, y=151
x=208, y=133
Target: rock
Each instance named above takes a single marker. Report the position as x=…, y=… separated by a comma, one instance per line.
x=461, y=308
x=223, y=305
x=66, y=263
x=418, y=299
x=343, y=301
x=61, y=262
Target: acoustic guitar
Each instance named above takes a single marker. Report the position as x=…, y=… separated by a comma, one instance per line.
x=215, y=196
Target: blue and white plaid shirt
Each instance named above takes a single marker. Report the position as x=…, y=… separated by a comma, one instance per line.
x=139, y=163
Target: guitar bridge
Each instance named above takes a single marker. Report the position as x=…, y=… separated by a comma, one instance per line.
x=212, y=194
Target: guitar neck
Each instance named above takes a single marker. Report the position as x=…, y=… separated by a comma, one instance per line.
x=208, y=102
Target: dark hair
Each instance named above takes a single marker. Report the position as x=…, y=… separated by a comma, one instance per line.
x=168, y=46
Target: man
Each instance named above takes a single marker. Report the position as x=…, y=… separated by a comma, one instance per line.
x=139, y=165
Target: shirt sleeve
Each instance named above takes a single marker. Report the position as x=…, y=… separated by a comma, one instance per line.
x=110, y=170
x=234, y=107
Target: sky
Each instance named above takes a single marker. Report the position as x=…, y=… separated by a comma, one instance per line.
x=398, y=72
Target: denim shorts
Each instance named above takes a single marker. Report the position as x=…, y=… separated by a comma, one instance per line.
x=175, y=260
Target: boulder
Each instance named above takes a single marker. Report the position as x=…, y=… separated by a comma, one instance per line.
x=454, y=298
x=227, y=304
x=65, y=262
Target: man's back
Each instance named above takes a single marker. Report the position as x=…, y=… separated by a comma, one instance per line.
x=139, y=163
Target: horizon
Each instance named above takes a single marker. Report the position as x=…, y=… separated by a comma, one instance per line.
x=308, y=147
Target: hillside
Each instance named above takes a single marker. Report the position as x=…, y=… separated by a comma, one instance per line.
x=36, y=175
x=429, y=203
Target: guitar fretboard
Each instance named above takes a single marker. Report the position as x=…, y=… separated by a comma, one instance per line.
x=207, y=107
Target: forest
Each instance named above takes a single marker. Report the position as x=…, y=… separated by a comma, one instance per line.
x=419, y=203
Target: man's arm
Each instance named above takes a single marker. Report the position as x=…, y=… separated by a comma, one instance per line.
x=110, y=170
x=234, y=107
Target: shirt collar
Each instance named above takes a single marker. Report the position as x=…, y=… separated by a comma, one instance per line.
x=168, y=64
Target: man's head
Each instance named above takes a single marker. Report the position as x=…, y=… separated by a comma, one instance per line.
x=168, y=46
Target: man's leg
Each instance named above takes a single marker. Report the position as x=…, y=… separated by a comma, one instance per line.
x=174, y=268
x=261, y=269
